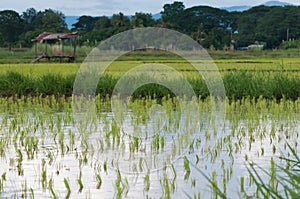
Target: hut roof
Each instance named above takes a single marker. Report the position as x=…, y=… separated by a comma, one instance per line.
x=54, y=36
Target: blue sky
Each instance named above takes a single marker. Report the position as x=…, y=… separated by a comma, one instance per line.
x=108, y=7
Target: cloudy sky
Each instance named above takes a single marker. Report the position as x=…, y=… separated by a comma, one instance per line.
x=108, y=7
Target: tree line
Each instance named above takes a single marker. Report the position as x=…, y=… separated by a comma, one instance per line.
x=211, y=27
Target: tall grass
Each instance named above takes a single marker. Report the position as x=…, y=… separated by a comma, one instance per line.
x=237, y=85
x=255, y=84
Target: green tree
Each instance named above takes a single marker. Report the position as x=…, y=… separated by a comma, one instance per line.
x=292, y=21
x=29, y=31
x=278, y=25
x=217, y=38
x=142, y=20
x=171, y=14
x=28, y=17
x=208, y=26
x=85, y=23
x=120, y=23
x=103, y=29
x=11, y=26
x=247, y=25
x=208, y=17
x=50, y=21
x=102, y=23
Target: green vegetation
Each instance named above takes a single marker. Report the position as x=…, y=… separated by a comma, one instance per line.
x=213, y=28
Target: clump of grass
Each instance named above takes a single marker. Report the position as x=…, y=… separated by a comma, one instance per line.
x=54, y=84
x=14, y=83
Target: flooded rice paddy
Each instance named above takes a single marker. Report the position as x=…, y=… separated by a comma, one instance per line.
x=153, y=149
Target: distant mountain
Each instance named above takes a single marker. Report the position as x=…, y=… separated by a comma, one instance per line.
x=70, y=20
x=277, y=3
x=236, y=8
x=156, y=16
x=268, y=3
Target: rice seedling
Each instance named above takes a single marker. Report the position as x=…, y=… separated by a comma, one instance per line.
x=44, y=176
x=187, y=169
x=242, y=182
x=2, y=147
x=66, y=182
x=51, y=189
x=99, y=181
x=24, y=190
x=19, y=161
x=31, y=193
x=147, y=182
x=79, y=180
x=2, y=180
x=121, y=185
x=166, y=186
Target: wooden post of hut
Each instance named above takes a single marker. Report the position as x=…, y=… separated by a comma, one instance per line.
x=35, y=50
x=62, y=50
x=74, y=50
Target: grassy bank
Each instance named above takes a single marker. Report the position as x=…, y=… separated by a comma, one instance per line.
x=26, y=55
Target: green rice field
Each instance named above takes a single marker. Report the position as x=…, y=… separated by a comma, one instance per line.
x=245, y=145
x=119, y=67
